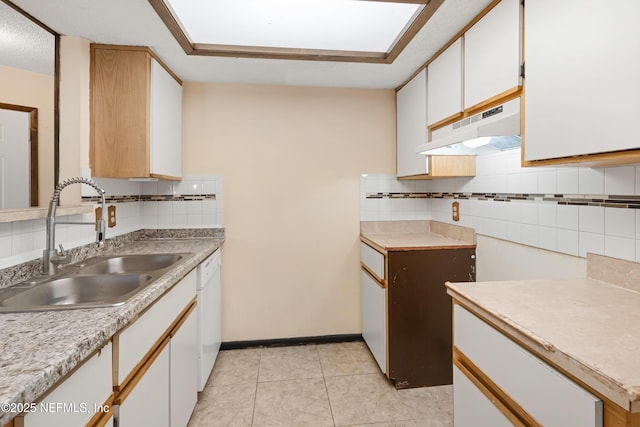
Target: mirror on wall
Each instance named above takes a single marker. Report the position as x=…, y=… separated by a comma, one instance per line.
x=28, y=128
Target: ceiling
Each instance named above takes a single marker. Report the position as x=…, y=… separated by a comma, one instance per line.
x=134, y=22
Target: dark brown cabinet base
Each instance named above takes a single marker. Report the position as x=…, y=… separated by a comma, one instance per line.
x=419, y=313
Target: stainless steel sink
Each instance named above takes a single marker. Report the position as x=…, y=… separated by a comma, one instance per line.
x=129, y=263
x=102, y=281
x=78, y=292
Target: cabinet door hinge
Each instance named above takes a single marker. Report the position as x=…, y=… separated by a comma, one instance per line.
x=522, y=70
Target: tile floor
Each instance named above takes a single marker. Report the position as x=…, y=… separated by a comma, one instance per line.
x=314, y=385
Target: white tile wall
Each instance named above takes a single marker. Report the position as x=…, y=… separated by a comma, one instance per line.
x=24, y=240
x=392, y=209
x=573, y=230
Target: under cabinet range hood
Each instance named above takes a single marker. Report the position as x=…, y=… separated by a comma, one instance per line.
x=495, y=129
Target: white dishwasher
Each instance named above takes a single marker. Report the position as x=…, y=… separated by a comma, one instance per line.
x=208, y=310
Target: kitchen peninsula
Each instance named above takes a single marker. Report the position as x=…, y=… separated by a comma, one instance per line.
x=549, y=352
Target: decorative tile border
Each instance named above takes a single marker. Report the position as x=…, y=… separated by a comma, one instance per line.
x=156, y=198
x=605, y=201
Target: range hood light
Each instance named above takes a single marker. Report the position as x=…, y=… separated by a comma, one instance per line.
x=494, y=129
x=477, y=142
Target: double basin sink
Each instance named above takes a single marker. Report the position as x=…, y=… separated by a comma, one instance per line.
x=101, y=281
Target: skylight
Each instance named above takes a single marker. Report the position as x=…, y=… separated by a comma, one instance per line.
x=361, y=30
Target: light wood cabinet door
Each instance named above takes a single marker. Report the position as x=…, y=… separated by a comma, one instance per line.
x=444, y=85
x=581, y=77
x=411, y=128
x=492, y=54
x=136, y=115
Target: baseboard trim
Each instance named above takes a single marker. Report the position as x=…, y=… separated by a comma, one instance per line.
x=282, y=342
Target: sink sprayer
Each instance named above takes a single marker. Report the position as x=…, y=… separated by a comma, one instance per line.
x=51, y=257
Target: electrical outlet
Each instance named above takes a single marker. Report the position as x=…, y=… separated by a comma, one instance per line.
x=455, y=211
x=111, y=220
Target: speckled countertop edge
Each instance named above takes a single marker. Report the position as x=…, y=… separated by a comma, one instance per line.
x=40, y=348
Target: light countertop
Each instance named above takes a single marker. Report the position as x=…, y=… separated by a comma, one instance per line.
x=40, y=348
x=415, y=235
x=585, y=326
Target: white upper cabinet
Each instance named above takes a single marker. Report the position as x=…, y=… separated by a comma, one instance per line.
x=493, y=54
x=411, y=126
x=166, y=123
x=582, y=66
x=444, y=86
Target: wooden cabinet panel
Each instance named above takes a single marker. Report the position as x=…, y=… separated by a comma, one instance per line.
x=581, y=79
x=119, y=113
x=492, y=54
x=444, y=85
x=419, y=313
x=136, y=115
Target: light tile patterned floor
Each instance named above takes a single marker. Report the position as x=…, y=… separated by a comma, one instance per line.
x=314, y=385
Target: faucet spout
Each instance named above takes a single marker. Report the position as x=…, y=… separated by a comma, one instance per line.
x=50, y=257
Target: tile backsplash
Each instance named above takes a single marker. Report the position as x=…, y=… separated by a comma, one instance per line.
x=194, y=202
x=572, y=210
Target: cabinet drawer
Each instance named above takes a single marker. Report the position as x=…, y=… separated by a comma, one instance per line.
x=76, y=399
x=373, y=260
x=547, y=395
x=136, y=340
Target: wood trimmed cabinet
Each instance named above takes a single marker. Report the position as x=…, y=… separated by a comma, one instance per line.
x=145, y=375
x=498, y=382
x=406, y=311
x=136, y=115
x=493, y=55
x=155, y=361
x=411, y=111
x=581, y=84
x=84, y=397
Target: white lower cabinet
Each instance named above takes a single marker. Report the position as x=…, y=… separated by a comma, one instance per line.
x=157, y=362
x=183, y=378
x=374, y=324
x=471, y=405
x=78, y=399
x=529, y=386
x=148, y=402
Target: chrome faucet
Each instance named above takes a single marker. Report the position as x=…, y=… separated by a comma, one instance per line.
x=52, y=258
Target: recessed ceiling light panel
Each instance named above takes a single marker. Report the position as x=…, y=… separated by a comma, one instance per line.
x=333, y=30
x=369, y=26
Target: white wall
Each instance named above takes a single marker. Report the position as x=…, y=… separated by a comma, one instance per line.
x=291, y=158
